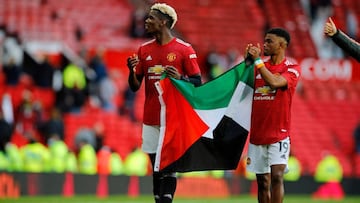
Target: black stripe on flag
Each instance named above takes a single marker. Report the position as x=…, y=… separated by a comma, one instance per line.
x=221, y=153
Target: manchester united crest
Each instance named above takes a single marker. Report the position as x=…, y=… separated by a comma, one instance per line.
x=171, y=57
x=248, y=161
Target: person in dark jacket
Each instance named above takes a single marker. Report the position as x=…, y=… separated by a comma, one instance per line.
x=346, y=43
x=6, y=130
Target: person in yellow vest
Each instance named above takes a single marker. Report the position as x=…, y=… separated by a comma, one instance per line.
x=294, y=169
x=58, y=153
x=116, y=164
x=217, y=173
x=87, y=160
x=204, y=174
x=74, y=77
x=71, y=162
x=14, y=157
x=136, y=163
x=329, y=172
x=35, y=157
x=198, y=174
x=4, y=164
x=74, y=87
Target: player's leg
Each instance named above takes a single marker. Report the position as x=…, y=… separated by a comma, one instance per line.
x=150, y=137
x=156, y=180
x=278, y=159
x=264, y=182
x=277, y=183
x=257, y=162
x=168, y=187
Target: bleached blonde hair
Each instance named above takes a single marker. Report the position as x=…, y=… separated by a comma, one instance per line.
x=167, y=10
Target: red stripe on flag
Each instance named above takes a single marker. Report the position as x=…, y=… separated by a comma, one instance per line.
x=183, y=128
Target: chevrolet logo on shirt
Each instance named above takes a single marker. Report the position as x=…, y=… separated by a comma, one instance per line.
x=264, y=93
x=157, y=69
x=265, y=90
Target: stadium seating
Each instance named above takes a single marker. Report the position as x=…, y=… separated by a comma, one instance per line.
x=324, y=122
x=222, y=24
x=101, y=21
x=120, y=133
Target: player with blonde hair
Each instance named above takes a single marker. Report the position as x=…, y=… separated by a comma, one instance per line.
x=164, y=53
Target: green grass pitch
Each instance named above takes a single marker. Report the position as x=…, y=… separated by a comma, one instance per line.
x=148, y=199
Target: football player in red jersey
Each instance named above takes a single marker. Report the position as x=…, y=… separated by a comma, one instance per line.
x=178, y=59
x=275, y=83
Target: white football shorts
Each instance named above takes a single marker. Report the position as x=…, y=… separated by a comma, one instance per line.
x=261, y=157
x=150, y=138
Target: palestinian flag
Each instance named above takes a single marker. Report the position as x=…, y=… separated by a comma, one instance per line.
x=206, y=127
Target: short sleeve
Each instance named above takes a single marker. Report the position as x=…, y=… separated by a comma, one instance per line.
x=191, y=63
x=292, y=75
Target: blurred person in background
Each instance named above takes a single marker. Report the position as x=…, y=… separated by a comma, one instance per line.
x=211, y=60
x=104, y=160
x=74, y=91
x=29, y=116
x=116, y=163
x=318, y=6
x=138, y=17
x=36, y=156
x=14, y=157
x=128, y=106
x=4, y=163
x=12, y=51
x=85, y=134
x=53, y=125
x=352, y=24
x=294, y=169
x=58, y=153
x=79, y=33
x=136, y=163
x=7, y=108
x=164, y=53
x=275, y=84
x=349, y=45
x=101, y=86
x=43, y=72
x=87, y=159
x=12, y=72
x=215, y=64
x=94, y=135
x=329, y=173
x=99, y=132
x=6, y=131
x=71, y=162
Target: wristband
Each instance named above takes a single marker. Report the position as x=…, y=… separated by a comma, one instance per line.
x=259, y=63
x=183, y=78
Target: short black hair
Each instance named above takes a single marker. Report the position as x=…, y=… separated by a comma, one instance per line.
x=280, y=32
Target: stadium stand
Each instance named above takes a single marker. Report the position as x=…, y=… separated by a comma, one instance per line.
x=325, y=112
x=53, y=20
x=217, y=23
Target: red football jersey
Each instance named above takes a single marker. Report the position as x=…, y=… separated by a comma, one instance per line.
x=153, y=60
x=270, y=119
